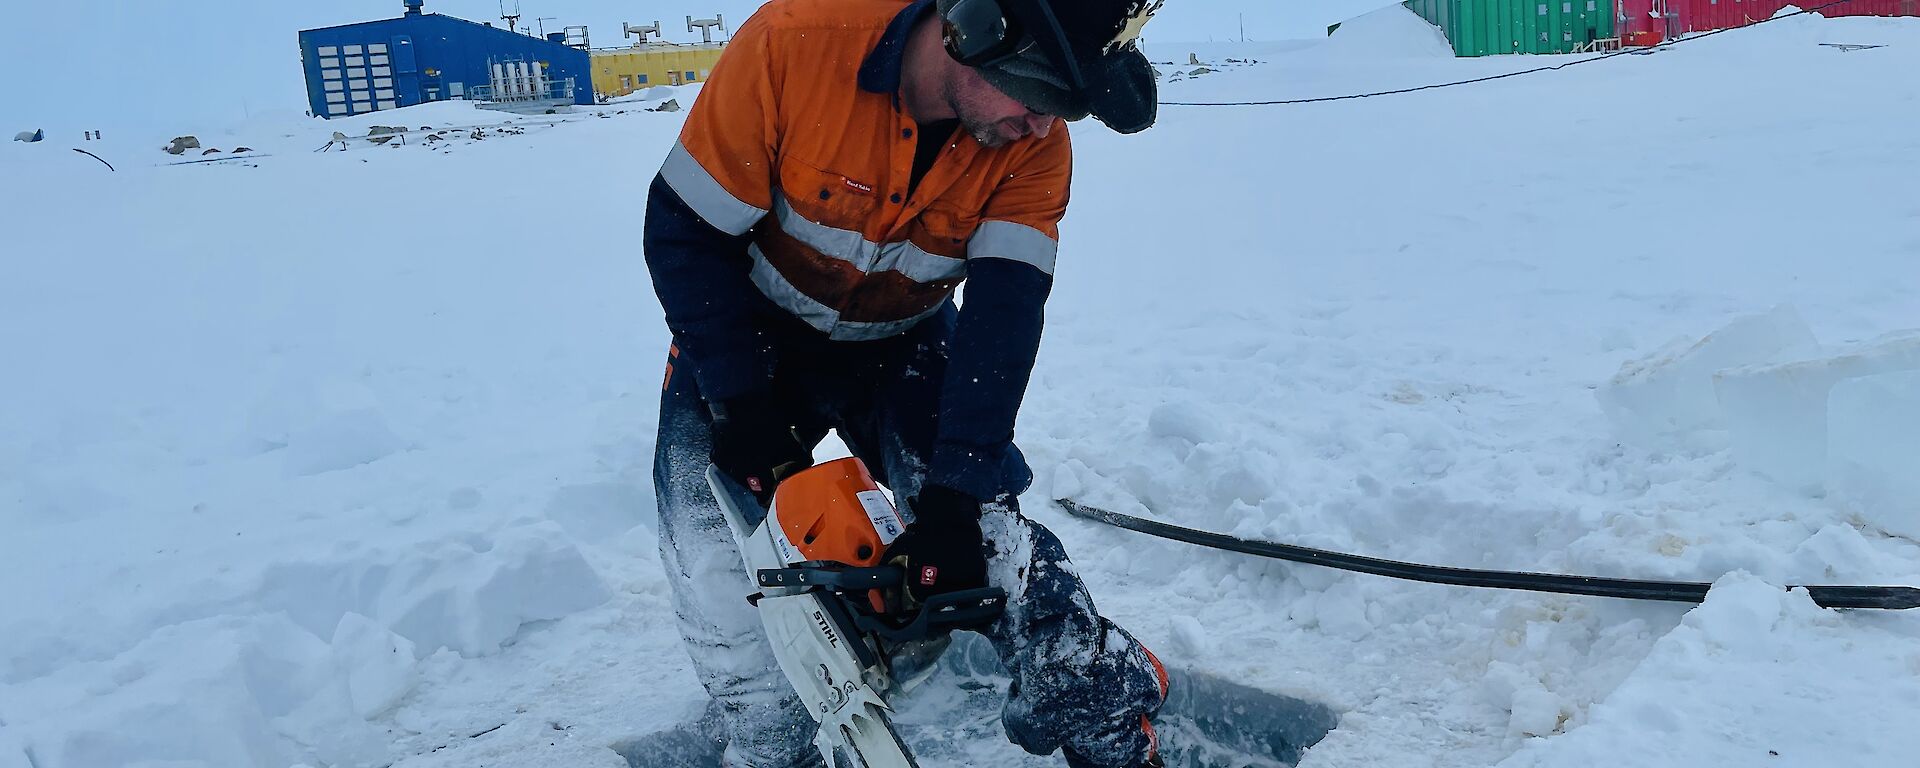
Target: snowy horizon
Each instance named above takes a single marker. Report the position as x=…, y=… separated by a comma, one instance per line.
x=107, y=65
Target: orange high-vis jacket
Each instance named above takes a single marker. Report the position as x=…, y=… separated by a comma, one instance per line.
x=787, y=196
x=798, y=138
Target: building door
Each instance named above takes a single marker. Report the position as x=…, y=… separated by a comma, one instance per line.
x=406, y=70
x=1667, y=19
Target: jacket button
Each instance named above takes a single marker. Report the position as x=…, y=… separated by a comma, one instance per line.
x=825, y=194
x=906, y=133
x=895, y=198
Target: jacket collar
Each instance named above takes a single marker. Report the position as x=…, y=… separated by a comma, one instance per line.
x=880, y=73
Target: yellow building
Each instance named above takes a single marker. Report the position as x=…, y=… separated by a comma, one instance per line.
x=620, y=71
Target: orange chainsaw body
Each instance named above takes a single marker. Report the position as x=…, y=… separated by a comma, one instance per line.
x=835, y=513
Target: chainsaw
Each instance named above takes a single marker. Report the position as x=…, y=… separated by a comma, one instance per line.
x=835, y=613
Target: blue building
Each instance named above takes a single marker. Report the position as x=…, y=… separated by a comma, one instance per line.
x=420, y=57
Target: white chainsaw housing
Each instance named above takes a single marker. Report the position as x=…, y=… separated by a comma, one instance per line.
x=846, y=698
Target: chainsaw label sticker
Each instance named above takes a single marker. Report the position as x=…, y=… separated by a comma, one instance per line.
x=929, y=575
x=782, y=548
x=886, y=521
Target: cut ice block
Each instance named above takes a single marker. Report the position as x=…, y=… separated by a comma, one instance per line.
x=1777, y=414
x=1666, y=400
x=1873, y=454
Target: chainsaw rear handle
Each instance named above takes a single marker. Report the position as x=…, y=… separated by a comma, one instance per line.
x=969, y=609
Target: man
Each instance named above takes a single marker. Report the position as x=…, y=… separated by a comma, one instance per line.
x=847, y=165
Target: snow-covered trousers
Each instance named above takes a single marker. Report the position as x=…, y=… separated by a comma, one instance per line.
x=1081, y=684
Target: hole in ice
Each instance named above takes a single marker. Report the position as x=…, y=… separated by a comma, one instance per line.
x=953, y=720
x=1208, y=722
x=693, y=744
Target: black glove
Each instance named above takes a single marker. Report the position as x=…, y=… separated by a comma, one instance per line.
x=943, y=550
x=755, y=446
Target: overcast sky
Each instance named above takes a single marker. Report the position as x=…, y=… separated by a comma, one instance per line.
x=99, y=63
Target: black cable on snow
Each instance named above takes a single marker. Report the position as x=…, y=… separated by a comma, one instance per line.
x=1490, y=78
x=1886, y=598
x=96, y=157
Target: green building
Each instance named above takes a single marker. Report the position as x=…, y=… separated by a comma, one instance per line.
x=1491, y=27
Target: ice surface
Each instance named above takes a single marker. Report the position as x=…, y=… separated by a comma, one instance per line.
x=1667, y=399
x=1778, y=414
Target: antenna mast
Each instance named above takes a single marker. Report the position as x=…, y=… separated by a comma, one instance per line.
x=512, y=19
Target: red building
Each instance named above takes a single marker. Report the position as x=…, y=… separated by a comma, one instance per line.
x=1647, y=22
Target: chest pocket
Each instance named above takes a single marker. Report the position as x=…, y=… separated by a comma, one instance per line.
x=827, y=198
x=944, y=228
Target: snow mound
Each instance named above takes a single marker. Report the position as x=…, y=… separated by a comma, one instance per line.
x=653, y=95
x=470, y=595
x=294, y=670
x=658, y=93
x=1755, y=675
x=226, y=691
x=1388, y=33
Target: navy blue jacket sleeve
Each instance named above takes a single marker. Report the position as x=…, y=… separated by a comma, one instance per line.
x=990, y=359
x=700, y=274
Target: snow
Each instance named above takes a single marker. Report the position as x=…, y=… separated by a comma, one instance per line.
x=1387, y=33
x=342, y=458
x=1777, y=667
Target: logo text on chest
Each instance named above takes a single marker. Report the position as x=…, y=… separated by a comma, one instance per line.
x=858, y=188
